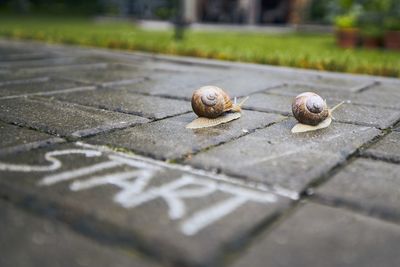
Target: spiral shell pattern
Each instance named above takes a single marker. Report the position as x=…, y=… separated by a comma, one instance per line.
x=210, y=102
x=309, y=108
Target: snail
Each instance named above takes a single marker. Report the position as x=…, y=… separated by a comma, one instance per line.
x=312, y=112
x=213, y=106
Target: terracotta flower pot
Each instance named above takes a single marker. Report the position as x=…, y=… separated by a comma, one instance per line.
x=347, y=38
x=392, y=40
x=371, y=42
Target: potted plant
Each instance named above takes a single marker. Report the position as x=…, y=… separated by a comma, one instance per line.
x=372, y=36
x=392, y=33
x=346, y=31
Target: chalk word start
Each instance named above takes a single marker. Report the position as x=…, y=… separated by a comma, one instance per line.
x=134, y=187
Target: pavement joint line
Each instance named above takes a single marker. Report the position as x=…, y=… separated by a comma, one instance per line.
x=384, y=216
x=361, y=88
x=16, y=57
x=26, y=126
x=10, y=63
x=143, y=55
x=232, y=252
x=309, y=191
x=151, y=119
x=79, y=134
x=368, y=155
x=308, y=196
x=180, y=159
x=268, y=110
x=93, y=66
x=187, y=168
x=167, y=117
x=264, y=231
x=31, y=145
x=354, y=90
x=23, y=81
x=371, y=105
x=68, y=90
x=92, y=228
x=122, y=82
x=102, y=129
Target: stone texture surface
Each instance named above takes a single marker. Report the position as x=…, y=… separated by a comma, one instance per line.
x=116, y=196
x=28, y=240
x=12, y=136
x=176, y=84
x=276, y=156
x=368, y=185
x=169, y=139
x=41, y=85
x=63, y=119
x=127, y=102
x=146, y=187
x=112, y=74
x=387, y=149
x=322, y=236
x=335, y=82
x=270, y=103
x=41, y=62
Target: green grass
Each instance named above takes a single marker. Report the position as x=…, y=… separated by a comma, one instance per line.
x=313, y=51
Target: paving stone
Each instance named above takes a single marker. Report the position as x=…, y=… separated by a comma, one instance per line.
x=367, y=115
x=14, y=138
x=8, y=77
x=185, y=216
x=368, y=185
x=112, y=74
x=42, y=62
x=342, y=83
x=275, y=156
x=41, y=85
x=182, y=84
x=349, y=83
x=169, y=139
x=151, y=107
x=244, y=83
x=270, y=103
x=62, y=118
x=59, y=71
x=27, y=240
x=173, y=84
x=323, y=236
x=23, y=55
x=385, y=95
x=387, y=149
x=158, y=64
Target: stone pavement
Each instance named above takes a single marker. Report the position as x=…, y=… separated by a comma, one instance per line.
x=97, y=168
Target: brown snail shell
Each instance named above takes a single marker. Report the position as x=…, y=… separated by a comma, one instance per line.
x=309, y=108
x=212, y=102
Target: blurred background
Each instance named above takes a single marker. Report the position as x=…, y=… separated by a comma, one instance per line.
x=357, y=36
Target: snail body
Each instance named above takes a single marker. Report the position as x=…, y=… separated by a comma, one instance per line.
x=312, y=112
x=309, y=108
x=211, y=102
x=213, y=106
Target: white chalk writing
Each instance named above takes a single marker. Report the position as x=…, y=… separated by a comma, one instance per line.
x=140, y=182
